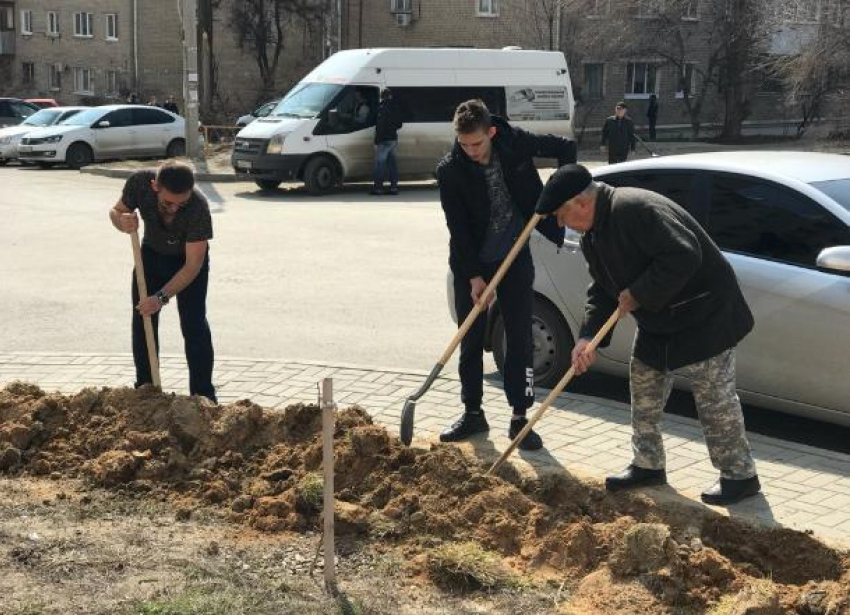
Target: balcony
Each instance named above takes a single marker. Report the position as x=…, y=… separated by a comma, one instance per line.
x=7, y=42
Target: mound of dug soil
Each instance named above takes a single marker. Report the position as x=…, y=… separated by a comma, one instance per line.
x=619, y=554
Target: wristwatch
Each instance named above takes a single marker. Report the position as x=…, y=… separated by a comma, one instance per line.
x=163, y=298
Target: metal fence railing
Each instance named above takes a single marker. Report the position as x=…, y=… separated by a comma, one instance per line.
x=218, y=138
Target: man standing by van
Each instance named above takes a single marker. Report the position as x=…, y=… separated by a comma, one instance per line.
x=488, y=189
x=618, y=135
x=175, y=254
x=386, y=142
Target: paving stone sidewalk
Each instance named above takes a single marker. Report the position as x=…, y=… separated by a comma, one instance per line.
x=804, y=487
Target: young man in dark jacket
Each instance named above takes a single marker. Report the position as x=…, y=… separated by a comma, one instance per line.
x=618, y=135
x=648, y=257
x=386, y=142
x=488, y=189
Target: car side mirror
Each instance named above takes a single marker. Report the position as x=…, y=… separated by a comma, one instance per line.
x=835, y=260
x=104, y=124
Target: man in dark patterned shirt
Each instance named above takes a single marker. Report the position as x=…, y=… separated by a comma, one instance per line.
x=175, y=255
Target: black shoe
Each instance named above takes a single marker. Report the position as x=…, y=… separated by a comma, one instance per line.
x=469, y=424
x=376, y=192
x=635, y=476
x=531, y=442
x=729, y=491
x=392, y=191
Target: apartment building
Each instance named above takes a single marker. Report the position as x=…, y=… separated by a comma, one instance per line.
x=606, y=44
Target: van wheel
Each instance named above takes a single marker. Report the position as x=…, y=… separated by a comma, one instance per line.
x=176, y=148
x=553, y=344
x=267, y=184
x=320, y=175
x=79, y=155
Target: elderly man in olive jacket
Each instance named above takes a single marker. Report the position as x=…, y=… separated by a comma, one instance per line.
x=647, y=256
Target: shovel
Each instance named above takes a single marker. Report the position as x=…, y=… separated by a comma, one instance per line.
x=143, y=292
x=409, y=411
x=612, y=320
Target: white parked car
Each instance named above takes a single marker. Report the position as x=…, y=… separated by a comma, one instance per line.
x=111, y=131
x=262, y=111
x=10, y=136
x=783, y=221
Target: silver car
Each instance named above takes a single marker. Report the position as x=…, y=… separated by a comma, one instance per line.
x=783, y=221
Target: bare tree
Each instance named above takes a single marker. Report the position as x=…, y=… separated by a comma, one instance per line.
x=262, y=28
x=819, y=71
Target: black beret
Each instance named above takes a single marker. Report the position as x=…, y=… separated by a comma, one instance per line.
x=565, y=183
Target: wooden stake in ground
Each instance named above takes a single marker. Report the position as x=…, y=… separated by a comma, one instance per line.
x=143, y=292
x=612, y=320
x=328, y=427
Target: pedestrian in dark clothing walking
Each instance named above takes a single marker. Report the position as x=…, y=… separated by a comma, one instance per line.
x=175, y=254
x=652, y=115
x=488, y=188
x=386, y=142
x=171, y=105
x=618, y=135
x=647, y=256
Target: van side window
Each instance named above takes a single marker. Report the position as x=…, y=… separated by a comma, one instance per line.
x=355, y=108
x=438, y=104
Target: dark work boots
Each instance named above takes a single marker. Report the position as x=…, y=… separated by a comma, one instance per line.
x=729, y=491
x=469, y=424
x=635, y=476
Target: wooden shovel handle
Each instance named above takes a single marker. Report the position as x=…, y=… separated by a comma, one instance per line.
x=591, y=346
x=143, y=292
x=480, y=306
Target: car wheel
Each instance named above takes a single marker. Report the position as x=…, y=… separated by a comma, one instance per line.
x=176, y=148
x=267, y=184
x=3, y=163
x=320, y=175
x=79, y=155
x=553, y=344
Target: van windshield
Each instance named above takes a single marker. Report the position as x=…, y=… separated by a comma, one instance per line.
x=306, y=100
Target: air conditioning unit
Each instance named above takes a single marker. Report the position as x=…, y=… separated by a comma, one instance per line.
x=403, y=19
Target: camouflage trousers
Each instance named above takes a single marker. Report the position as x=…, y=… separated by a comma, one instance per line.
x=718, y=407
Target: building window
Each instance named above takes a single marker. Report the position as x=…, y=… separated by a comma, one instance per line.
x=690, y=10
x=52, y=23
x=598, y=8
x=401, y=6
x=641, y=79
x=594, y=75
x=686, y=80
x=54, y=80
x=82, y=81
x=28, y=73
x=487, y=8
x=26, y=22
x=649, y=9
x=83, y=25
x=111, y=82
x=111, y=27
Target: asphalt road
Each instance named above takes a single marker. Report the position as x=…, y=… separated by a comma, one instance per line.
x=348, y=278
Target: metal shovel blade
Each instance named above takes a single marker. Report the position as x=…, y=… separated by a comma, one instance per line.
x=408, y=414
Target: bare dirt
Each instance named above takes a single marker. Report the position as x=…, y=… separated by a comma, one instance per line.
x=248, y=475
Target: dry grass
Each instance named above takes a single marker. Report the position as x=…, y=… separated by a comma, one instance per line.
x=760, y=596
x=467, y=566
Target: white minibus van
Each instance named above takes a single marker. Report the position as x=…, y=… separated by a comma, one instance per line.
x=322, y=131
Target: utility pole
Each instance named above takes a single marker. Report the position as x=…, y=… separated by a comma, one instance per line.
x=189, y=18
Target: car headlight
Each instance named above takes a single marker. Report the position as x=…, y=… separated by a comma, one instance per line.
x=276, y=144
x=53, y=139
